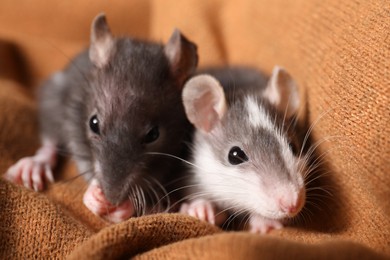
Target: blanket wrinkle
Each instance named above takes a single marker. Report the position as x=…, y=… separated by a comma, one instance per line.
x=339, y=54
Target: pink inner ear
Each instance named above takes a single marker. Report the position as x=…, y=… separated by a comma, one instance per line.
x=182, y=56
x=282, y=92
x=102, y=42
x=206, y=116
x=204, y=102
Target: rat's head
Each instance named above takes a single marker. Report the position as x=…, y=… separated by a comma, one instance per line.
x=243, y=147
x=135, y=108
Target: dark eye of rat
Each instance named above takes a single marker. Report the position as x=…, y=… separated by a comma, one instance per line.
x=94, y=124
x=152, y=135
x=237, y=156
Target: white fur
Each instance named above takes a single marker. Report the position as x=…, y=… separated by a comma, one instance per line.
x=257, y=115
x=228, y=186
x=257, y=192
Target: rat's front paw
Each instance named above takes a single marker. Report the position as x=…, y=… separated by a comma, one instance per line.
x=258, y=224
x=97, y=203
x=31, y=172
x=200, y=209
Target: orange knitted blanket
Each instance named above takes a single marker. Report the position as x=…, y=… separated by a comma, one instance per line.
x=338, y=51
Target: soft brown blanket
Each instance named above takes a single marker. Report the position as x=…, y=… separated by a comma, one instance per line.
x=338, y=51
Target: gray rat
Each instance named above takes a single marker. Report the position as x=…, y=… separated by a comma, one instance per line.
x=114, y=103
x=245, y=155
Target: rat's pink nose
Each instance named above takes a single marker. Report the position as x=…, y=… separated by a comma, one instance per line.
x=292, y=207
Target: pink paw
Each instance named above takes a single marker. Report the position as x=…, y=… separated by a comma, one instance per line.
x=97, y=203
x=31, y=172
x=200, y=209
x=258, y=224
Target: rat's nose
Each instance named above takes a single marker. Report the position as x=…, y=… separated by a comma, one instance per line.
x=292, y=206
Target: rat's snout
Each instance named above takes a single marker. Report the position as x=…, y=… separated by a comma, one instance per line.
x=117, y=166
x=291, y=205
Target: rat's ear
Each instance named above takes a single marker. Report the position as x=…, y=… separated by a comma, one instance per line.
x=282, y=92
x=102, y=41
x=204, y=102
x=182, y=56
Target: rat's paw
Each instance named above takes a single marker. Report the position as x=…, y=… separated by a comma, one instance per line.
x=97, y=203
x=201, y=209
x=258, y=224
x=120, y=213
x=31, y=172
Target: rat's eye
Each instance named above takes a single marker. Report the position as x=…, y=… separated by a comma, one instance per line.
x=237, y=156
x=152, y=135
x=94, y=124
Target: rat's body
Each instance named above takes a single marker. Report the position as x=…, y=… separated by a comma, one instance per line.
x=242, y=155
x=109, y=108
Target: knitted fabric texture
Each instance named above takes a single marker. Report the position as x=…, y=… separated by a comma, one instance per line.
x=339, y=53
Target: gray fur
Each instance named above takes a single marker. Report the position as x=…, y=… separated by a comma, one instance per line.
x=239, y=83
x=135, y=91
x=263, y=146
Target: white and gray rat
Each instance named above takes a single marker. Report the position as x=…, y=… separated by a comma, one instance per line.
x=114, y=103
x=245, y=159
